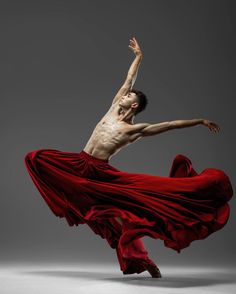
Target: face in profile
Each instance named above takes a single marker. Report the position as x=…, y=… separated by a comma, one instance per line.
x=129, y=100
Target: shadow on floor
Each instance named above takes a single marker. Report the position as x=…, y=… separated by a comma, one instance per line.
x=173, y=280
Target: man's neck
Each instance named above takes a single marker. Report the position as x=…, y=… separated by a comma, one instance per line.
x=127, y=115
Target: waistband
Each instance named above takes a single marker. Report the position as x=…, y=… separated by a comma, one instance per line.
x=91, y=157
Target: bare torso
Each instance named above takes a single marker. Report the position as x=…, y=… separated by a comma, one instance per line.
x=110, y=135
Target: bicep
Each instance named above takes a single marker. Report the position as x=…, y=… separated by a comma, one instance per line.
x=136, y=131
x=154, y=129
x=137, y=128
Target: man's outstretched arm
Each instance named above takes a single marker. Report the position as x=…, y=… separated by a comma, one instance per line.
x=154, y=129
x=132, y=72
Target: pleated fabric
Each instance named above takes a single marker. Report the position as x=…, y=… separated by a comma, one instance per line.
x=178, y=209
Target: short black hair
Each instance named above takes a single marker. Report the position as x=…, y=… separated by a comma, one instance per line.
x=142, y=100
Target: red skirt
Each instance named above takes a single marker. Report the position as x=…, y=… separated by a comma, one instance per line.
x=178, y=209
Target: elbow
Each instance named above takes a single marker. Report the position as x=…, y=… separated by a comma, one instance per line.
x=175, y=125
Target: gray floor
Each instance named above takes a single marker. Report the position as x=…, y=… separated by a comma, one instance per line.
x=69, y=278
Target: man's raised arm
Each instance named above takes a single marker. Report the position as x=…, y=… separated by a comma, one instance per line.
x=154, y=129
x=132, y=72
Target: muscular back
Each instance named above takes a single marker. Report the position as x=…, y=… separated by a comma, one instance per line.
x=111, y=134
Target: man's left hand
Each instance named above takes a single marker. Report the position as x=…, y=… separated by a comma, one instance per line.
x=135, y=47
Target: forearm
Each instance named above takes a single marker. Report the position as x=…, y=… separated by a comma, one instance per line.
x=154, y=129
x=133, y=70
x=186, y=123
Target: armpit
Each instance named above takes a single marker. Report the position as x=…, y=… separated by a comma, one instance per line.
x=135, y=137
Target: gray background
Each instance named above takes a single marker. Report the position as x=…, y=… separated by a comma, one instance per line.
x=62, y=62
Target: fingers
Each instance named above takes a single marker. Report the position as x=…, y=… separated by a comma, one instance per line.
x=213, y=126
x=132, y=45
x=133, y=41
x=214, y=129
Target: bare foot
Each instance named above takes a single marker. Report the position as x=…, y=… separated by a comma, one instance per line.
x=152, y=269
x=154, y=272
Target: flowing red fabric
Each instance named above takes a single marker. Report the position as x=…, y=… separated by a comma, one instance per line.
x=178, y=209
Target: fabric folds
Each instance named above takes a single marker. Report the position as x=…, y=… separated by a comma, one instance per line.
x=178, y=209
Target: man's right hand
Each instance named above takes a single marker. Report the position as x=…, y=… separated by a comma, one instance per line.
x=211, y=125
x=135, y=47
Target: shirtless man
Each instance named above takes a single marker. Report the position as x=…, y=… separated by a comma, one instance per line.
x=117, y=129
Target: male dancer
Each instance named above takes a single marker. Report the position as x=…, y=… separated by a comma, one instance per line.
x=117, y=128
x=122, y=207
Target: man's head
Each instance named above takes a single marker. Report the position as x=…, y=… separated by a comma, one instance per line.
x=136, y=100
